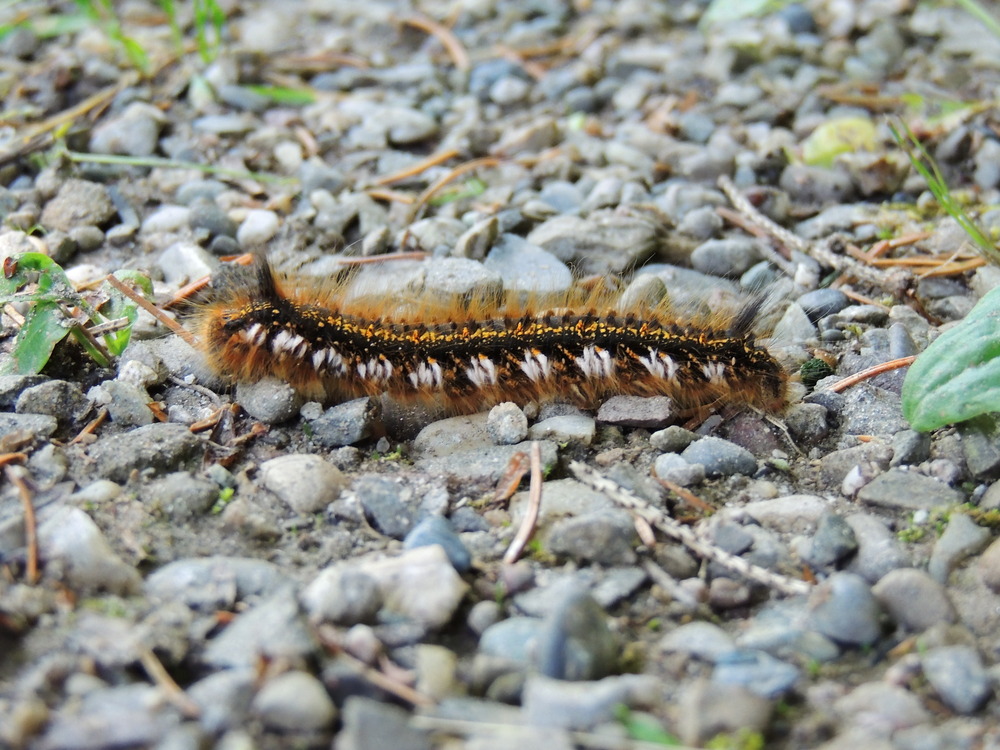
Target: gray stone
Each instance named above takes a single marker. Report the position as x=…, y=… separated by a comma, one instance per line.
x=881, y=707
x=408, y=125
x=879, y=551
x=675, y=469
x=725, y=257
x=816, y=185
x=870, y=410
x=672, y=439
x=980, y=441
x=12, y=386
x=55, y=398
x=638, y=411
x=962, y=537
x=458, y=276
x=257, y=227
x=166, y=218
x=720, y=457
x=807, y=423
x=914, y=600
x=568, y=428
x=606, y=242
x=127, y=404
x=438, y=530
x=205, y=214
x=605, y=537
x=273, y=629
x=843, y=608
x=989, y=566
x=184, y=261
x=134, y=132
x=382, y=501
x=910, y=447
x=701, y=640
x=270, y=401
x=515, y=638
x=525, y=267
x=582, y=705
x=375, y=725
x=574, y=642
x=304, y=482
x=757, y=671
x=78, y=202
x=708, y=709
x=907, y=490
x=294, y=701
x=156, y=448
x=822, y=302
x=75, y=551
x=833, y=541
x=506, y=424
x=836, y=465
x=793, y=513
x=181, y=496
x=562, y=497
x=223, y=698
x=479, y=463
x=212, y=583
x=342, y=595
x=957, y=675
x=347, y=423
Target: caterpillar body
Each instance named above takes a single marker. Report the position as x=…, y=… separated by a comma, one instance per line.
x=467, y=355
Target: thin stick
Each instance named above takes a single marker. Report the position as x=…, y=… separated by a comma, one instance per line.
x=748, y=210
x=448, y=40
x=431, y=161
x=162, y=679
x=15, y=475
x=153, y=310
x=686, y=495
x=684, y=535
x=530, y=519
x=12, y=458
x=109, y=327
x=892, y=364
x=421, y=202
x=91, y=427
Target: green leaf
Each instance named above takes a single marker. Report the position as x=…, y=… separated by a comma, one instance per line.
x=120, y=306
x=43, y=328
x=958, y=376
x=284, y=95
x=644, y=728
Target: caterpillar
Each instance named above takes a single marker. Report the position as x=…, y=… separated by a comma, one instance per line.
x=467, y=354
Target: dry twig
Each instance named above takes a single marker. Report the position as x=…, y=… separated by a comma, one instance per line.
x=892, y=364
x=161, y=677
x=684, y=535
x=414, y=169
x=16, y=476
x=153, y=310
x=444, y=35
x=534, y=505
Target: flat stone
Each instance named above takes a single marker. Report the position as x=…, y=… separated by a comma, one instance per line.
x=304, y=482
x=907, y=490
x=914, y=600
x=637, y=411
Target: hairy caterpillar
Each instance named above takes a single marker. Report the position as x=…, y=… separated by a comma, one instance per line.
x=466, y=355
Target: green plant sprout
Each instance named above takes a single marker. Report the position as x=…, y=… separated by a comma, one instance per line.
x=36, y=279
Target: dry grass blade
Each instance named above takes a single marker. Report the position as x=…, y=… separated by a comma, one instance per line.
x=448, y=40
x=892, y=364
x=16, y=475
x=159, y=675
x=687, y=496
x=431, y=161
x=91, y=427
x=424, y=197
x=530, y=519
x=517, y=467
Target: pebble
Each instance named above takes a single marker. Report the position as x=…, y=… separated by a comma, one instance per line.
x=270, y=401
x=822, y=302
x=203, y=213
x=259, y=226
x=305, y=483
x=342, y=595
x=347, y=423
x=906, y=490
x=879, y=551
x=294, y=702
x=582, y=705
x=506, y=424
x=914, y=600
x=637, y=411
x=210, y=583
x=135, y=132
x=474, y=463
x=574, y=641
x=757, y=671
x=844, y=609
x=462, y=276
x=870, y=410
x=127, y=405
x=515, y=638
x=55, y=398
x=382, y=501
x=72, y=544
x=672, y=439
x=168, y=218
x=185, y=261
x=374, y=725
x=910, y=447
x=675, y=469
x=605, y=537
x=727, y=257
x=790, y=514
x=962, y=538
x=563, y=497
x=988, y=566
x=438, y=530
x=77, y=203
x=701, y=640
x=833, y=541
x=273, y=629
x=155, y=448
x=881, y=708
x=525, y=267
x=181, y=496
x=957, y=675
x=709, y=709
x=569, y=428
x=720, y=457
x=808, y=424
x=980, y=445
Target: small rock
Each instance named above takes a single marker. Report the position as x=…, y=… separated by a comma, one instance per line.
x=342, y=595
x=757, y=671
x=675, y=469
x=525, y=267
x=382, y=501
x=506, y=424
x=701, y=640
x=270, y=400
x=205, y=214
x=907, y=490
x=166, y=218
x=438, y=530
x=582, y=705
x=574, y=642
x=961, y=538
x=708, y=709
x=793, y=513
x=958, y=676
x=989, y=566
x=515, y=638
x=294, y=701
x=836, y=465
x=720, y=457
x=156, y=448
x=375, y=725
x=727, y=593
x=55, y=398
x=70, y=542
x=879, y=551
x=605, y=537
x=210, y=583
x=347, y=423
x=980, y=440
x=304, y=482
x=568, y=428
x=257, y=228
x=224, y=699
x=914, y=600
x=185, y=261
x=181, y=496
x=807, y=423
x=881, y=707
x=127, y=404
x=910, y=447
x=638, y=411
x=77, y=203
x=672, y=439
x=822, y=302
x=870, y=410
x=843, y=608
x=134, y=132
x=833, y=541
x=726, y=257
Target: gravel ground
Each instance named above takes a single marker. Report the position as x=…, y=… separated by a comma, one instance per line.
x=297, y=575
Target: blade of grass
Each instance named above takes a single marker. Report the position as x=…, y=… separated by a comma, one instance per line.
x=978, y=12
